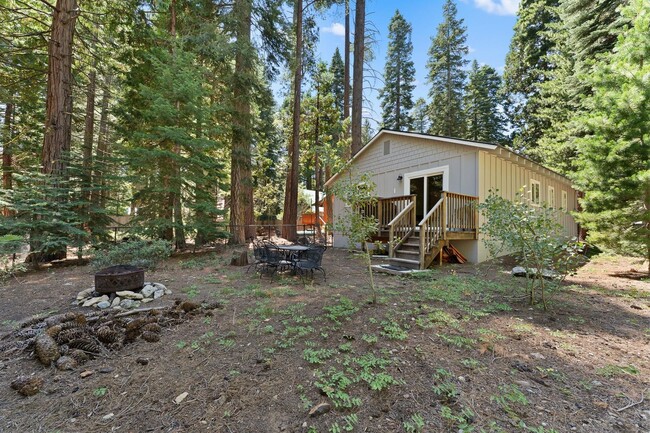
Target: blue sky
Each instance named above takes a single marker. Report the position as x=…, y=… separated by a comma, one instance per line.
x=489, y=29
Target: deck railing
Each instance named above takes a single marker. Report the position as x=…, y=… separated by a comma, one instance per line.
x=462, y=212
x=432, y=229
x=386, y=209
x=401, y=227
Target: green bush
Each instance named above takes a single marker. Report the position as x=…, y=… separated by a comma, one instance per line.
x=140, y=253
x=534, y=236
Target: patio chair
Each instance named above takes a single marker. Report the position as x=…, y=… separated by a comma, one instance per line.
x=259, y=255
x=275, y=259
x=311, y=261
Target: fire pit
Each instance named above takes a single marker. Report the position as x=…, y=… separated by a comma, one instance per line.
x=117, y=278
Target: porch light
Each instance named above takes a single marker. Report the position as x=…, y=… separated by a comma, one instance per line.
x=400, y=178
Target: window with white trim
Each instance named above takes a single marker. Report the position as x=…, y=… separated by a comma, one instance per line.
x=535, y=188
x=550, y=197
x=565, y=201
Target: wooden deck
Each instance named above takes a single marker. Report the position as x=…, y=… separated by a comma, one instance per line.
x=415, y=244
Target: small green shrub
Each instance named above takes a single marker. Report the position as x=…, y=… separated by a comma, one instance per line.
x=143, y=254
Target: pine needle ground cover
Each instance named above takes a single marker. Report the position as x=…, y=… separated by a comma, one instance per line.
x=454, y=349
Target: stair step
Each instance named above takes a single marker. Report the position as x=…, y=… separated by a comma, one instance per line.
x=410, y=244
x=408, y=252
x=408, y=263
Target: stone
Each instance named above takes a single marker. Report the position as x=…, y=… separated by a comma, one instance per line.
x=66, y=363
x=106, y=370
x=158, y=293
x=86, y=373
x=147, y=300
x=142, y=361
x=103, y=305
x=159, y=286
x=27, y=385
x=179, y=399
x=148, y=291
x=168, y=292
x=116, y=301
x=85, y=294
x=126, y=303
x=127, y=294
x=537, y=355
x=92, y=301
x=136, y=304
x=319, y=409
x=519, y=271
x=109, y=416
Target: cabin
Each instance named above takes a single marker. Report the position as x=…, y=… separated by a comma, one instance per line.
x=428, y=188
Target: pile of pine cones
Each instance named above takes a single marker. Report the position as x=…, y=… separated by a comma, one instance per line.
x=69, y=340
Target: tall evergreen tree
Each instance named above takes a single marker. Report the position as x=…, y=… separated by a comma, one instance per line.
x=613, y=156
x=357, y=75
x=447, y=74
x=527, y=67
x=485, y=121
x=337, y=69
x=399, y=76
x=420, y=116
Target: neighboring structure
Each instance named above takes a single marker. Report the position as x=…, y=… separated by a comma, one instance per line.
x=428, y=188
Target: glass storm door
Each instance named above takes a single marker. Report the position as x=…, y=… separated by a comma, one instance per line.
x=428, y=190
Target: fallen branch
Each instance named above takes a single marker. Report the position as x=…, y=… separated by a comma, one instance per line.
x=635, y=403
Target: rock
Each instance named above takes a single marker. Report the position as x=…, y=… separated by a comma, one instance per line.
x=47, y=351
x=142, y=361
x=168, y=292
x=85, y=294
x=116, y=301
x=66, y=363
x=147, y=300
x=109, y=416
x=158, y=293
x=86, y=373
x=127, y=294
x=180, y=398
x=136, y=304
x=537, y=355
x=159, y=286
x=519, y=271
x=126, y=303
x=106, y=370
x=92, y=301
x=27, y=385
x=148, y=291
x=319, y=409
x=103, y=305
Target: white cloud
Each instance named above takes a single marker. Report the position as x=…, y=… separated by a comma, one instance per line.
x=498, y=7
x=337, y=29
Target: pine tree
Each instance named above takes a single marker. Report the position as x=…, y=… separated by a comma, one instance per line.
x=527, y=67
x=484, y=119
x=447, y=75
x=337, y=86
x=357, y=75
x=420, y=116
x=614, y=154
x=399, y=76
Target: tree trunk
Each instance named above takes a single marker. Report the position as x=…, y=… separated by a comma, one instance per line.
x=316, y=163
x=241, y=182
x=101, y=154
x=89, y=135
x=346, y=73
x=7, y=179
x=357, y=75
x=290, y=217
x=58, y=107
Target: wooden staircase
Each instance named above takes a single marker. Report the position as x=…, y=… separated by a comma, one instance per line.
x=415, y=245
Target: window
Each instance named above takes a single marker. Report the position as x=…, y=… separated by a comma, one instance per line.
x=387, y=147
x=565, y=201
x=534, y=192
x=550, y=197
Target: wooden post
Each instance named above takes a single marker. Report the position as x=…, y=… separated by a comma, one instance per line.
x=380, y=213
x=444, y=215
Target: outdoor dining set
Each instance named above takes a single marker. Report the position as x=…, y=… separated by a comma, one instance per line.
x=296, y=258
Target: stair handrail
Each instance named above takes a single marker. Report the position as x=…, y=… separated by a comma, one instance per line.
x=403, y=224
x=432, y=228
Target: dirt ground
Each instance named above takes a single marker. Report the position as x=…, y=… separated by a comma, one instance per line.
x=454, y=349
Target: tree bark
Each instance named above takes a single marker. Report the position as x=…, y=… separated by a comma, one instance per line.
x=357, y=75
x=101, y=153
x=58, y=107
x=346, y=72
x=7, y=162
x=89, y=135
x=241, y=182
x=290, y=217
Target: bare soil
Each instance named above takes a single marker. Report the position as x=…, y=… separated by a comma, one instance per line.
x=453, y=349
